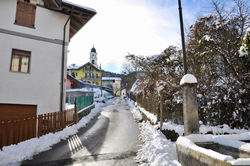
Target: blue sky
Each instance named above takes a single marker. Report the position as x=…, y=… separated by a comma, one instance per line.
x=141, y=27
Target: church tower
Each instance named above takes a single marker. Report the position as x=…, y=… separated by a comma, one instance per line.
x=93, y=57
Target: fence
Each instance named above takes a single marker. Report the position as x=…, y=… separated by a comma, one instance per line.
x=15, y=131
x=151, y=103
x=83, y=101
x=81, y=98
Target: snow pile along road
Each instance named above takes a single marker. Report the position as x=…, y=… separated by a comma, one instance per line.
x=14, y=154
x=137, y=115
x=157, y=150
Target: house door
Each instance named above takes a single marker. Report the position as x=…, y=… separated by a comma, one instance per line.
x=17, y=123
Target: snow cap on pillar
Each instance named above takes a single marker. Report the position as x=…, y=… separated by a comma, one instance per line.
x=188, y=79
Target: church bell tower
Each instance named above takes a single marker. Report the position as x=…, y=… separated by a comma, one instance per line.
x=93, y=57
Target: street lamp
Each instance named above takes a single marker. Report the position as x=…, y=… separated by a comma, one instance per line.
x=182, y=38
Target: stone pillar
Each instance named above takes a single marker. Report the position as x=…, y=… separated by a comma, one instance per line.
x=190, y=112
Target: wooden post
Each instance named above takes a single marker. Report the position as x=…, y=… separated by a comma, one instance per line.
x=34, y=126
x=51, y=122
x=54, y=122
x=64, y=119
x=21, y=126
x=4, y=137
x=25, y=129
x=17, y=130
x=75, y=115
x=1, y=134
x=39, y=125
x=11, y=132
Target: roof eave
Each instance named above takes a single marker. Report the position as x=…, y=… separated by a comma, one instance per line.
x=79, y=16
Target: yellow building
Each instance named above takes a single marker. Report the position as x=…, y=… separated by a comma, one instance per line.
x=89, y=72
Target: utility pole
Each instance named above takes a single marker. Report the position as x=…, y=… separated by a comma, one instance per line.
x=190, y=112
x=182, y=38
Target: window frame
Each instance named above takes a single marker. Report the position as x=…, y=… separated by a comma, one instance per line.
x=20, y=54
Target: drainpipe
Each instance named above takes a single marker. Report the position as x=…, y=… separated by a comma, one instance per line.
x=62, y=65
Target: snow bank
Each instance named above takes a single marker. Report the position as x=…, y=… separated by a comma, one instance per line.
x=137, y=115
x=135, y=85
x=157, y=150
x=220, y=129
x=188, y=78
x=98, y=92
x=14, y=154
x=172, y=126
x=149, y=115
x=69, y=106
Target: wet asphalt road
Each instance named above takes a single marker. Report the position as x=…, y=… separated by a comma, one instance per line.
x=111, y=139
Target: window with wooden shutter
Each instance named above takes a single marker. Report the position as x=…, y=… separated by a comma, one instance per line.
x=25, y=13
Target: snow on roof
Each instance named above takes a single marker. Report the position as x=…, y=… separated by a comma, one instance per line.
x=111, y=78
x=189, y=79
x=78, y=5
x=73, y=67
x=88, y=90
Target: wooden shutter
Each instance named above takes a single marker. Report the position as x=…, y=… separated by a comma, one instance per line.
x=25, y=14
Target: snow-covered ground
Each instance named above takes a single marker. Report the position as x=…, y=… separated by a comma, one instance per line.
x=220, y=129
x=156, y=149
x=14, y=154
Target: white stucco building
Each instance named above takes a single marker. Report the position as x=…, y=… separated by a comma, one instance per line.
x=31, y=43
x=114, y=83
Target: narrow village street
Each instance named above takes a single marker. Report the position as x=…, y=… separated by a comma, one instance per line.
x=125, y=83
x=110, y=139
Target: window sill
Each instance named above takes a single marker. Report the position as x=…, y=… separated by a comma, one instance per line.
x=33, y=27
x=19, y=72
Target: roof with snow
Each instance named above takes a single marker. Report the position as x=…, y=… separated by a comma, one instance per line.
x=80, y=14
x=111, y=78
x=73, y=66
x=79, y=67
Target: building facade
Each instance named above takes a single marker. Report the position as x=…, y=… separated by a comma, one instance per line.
x=32, y=67
x=113, y=83
x=88, y=72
